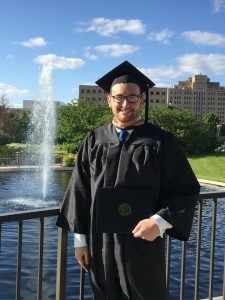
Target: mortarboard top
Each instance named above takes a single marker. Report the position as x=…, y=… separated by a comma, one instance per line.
x=126, y=72
x=129, y=74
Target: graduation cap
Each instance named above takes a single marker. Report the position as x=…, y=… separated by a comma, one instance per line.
x=127, y=73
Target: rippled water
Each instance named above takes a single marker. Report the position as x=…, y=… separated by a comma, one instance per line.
x=14, y=197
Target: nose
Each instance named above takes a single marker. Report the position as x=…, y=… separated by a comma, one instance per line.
x=125, y=102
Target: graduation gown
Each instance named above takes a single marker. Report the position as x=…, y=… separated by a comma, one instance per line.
x=121, y=266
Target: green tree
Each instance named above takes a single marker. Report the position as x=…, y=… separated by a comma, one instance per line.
x=77, y=118
x=4, y=138
x=212, y=120
x=4, y=105
x=222, y=130
x=194, y=135
x=17, y=126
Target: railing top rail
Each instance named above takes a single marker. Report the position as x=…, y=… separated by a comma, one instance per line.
x=210, y=195
x=53, y=211
x=29, y=214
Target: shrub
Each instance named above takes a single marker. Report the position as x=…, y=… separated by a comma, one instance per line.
x=69, y=160
x=4, y=138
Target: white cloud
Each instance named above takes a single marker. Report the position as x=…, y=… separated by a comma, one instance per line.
x=34, y=42
x=202, y=63
x=90, y=56
x=161, y=72
x=12, y=91
x=186, y=65
x=218, y=5
x=59, y=62
x=116, y=50
x=205, y=38
x=109, y=27
x=162, y=36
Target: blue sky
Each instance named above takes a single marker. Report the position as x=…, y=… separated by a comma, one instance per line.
x=84, y=39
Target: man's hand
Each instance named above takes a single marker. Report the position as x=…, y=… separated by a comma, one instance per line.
x=146, y=229
x=81, y=255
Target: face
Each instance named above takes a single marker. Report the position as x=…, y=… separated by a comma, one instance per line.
x=125, y=112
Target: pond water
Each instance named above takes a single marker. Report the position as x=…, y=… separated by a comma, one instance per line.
x=18, y=193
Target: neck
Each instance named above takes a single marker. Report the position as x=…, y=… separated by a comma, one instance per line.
x=136, y=122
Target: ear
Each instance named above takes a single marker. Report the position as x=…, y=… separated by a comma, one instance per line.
x=109, y=101
x=142, y=101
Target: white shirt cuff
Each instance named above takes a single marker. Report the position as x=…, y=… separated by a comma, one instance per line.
x=79, y=240
x=163, y=224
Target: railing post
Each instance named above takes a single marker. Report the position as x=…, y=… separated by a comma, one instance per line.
x=19, y=258
x=168, y=259
x=198, y=249
x=212, y=250
x=40, y=259
x=224, y=277
x=81, y=296
x=61, y=264
x=183, y=268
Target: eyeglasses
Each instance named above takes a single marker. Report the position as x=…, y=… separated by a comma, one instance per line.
x=129, y=98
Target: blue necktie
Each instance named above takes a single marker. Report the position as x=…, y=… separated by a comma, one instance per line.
x=122, y=136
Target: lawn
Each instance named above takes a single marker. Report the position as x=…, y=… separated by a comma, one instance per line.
x=210, y=167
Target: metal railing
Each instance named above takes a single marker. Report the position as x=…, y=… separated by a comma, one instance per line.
x=182, y=249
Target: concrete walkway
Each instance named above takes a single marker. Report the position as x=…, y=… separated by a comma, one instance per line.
x=24, y=168
x=211, y=182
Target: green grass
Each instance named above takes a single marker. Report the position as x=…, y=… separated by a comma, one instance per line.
x=210, y=167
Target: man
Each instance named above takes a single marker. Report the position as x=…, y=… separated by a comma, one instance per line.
x=149, y=172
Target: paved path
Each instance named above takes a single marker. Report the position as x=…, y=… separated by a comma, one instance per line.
x=23, y=168
x=211, y=182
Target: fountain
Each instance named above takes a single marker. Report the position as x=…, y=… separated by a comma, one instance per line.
x=41, y=133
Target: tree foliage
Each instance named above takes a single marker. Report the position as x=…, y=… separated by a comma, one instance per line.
x=77, y=118
x=194, y=135
x=212, y=120
x=17, y=125
x=4, y=138
x=4, y=105
x=222, y=130
x=13, y=125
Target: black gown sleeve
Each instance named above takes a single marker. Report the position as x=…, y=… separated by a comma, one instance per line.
x=79, y=189
x=179, y=189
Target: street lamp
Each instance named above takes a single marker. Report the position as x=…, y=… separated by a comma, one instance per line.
x=218, y=128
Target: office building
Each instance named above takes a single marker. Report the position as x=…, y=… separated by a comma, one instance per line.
x=197, y=94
